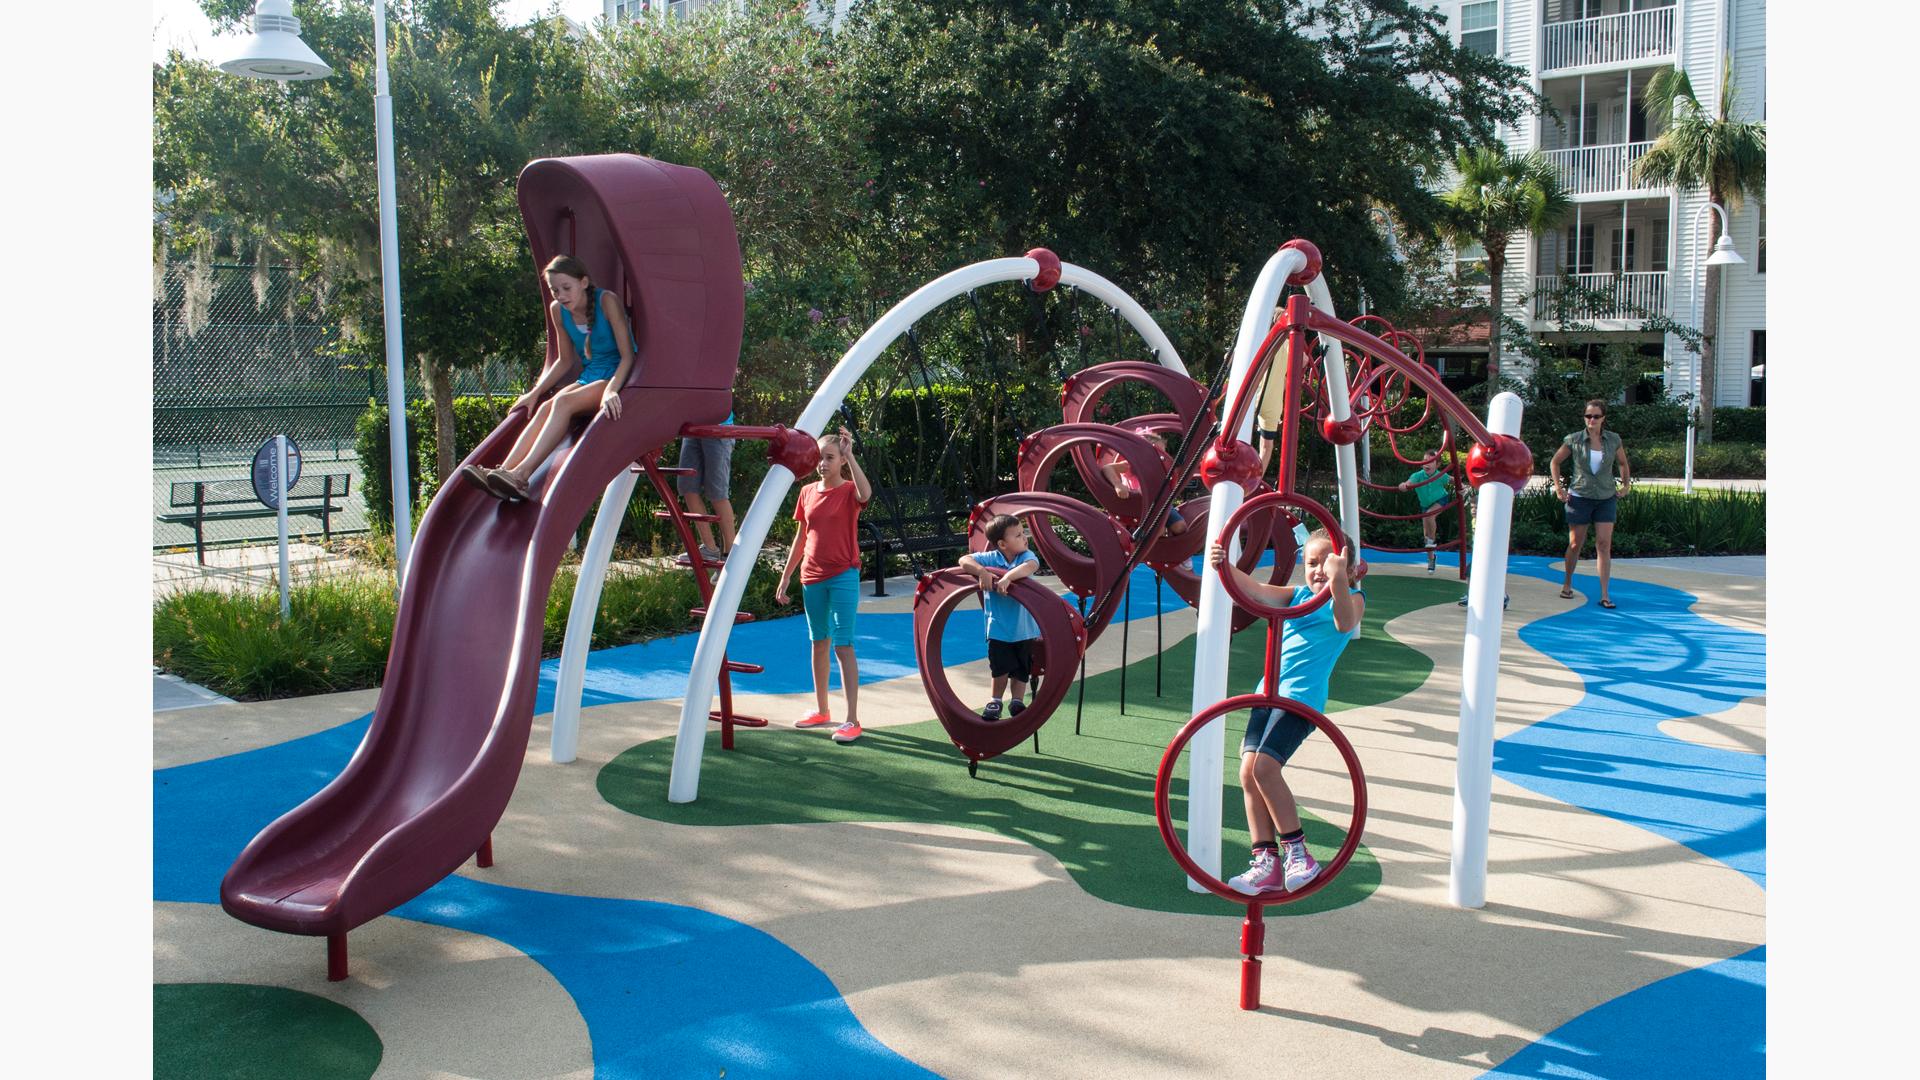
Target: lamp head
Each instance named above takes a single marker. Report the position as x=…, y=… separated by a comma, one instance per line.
x=274, y=49
x=1723, y=253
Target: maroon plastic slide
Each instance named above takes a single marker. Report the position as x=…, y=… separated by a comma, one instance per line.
x=424, y=790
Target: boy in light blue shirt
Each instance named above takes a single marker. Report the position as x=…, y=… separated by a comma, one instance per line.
x=1010, y=629
x=1310, y=645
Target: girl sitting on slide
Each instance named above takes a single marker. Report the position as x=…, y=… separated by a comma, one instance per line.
x=596, y=354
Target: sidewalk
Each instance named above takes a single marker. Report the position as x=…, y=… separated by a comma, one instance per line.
x=249, y=568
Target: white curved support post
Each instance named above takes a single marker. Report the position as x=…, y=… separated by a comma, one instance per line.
x=1335, y=367
x=1207, y=751
x=586, y=605
x=689, y=744
x=1480, y=676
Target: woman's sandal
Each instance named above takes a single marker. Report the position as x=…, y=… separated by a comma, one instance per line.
x=1566, y=594
x=506, y=486
x=1608, y=604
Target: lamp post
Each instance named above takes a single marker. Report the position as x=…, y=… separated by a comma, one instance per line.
x=1723, y=255
x=274, y=51
x=1393, y=245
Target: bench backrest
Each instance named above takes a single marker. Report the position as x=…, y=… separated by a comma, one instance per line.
x=923, y=511
x=235, y=490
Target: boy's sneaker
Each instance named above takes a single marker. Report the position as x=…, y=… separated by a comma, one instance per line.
x=1263, y=873
x=1429, y=540
x=1298, y=867
x=847, y=732
x=992, y=711
x=1016, y=707
x=712, y=554
x=813, y=720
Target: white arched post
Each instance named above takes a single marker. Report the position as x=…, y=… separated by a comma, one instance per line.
x=586, y=605
x=1480, y=675
x=1344, y=458
x=1206, y=753
x=690, y=743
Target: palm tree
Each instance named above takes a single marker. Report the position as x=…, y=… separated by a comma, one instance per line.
x=1499, y=194
x=1727, y=157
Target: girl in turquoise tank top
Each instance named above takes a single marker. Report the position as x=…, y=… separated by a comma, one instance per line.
x=596, y=357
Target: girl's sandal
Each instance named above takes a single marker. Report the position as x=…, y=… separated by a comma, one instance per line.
x=475, y=475
x=1566, y=594
x=506, y=486
x=1608, y=604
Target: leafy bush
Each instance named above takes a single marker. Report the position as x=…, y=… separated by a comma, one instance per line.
x=340, y=630
x=1652, y=521
x=1716, y=461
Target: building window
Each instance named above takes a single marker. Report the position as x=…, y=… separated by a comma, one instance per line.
x=1760, y=244
x=1657, y=257
x=1615, y=264
x=1470, y=265
x=1480, y=27
x=1580, y=250
x=1757, y=378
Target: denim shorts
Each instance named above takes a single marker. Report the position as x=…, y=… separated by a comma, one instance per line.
x=1584, y=511
x=831, y=605
x=1275, y=733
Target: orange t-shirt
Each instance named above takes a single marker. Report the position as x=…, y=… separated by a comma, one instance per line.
x=832, y=517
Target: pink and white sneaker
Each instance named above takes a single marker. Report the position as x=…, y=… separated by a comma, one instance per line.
x=1297, y=866
x=814, y=720
x=1263, y=873
x=847, y=732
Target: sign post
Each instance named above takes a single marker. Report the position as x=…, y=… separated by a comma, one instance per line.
x=276, y=467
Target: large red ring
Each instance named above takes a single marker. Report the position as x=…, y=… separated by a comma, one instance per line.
x=1275, y=499
x=1163, y=813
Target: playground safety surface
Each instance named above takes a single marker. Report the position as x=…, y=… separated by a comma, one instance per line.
x=859, y=919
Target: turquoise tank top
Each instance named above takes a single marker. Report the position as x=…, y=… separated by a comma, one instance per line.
x=603, y=358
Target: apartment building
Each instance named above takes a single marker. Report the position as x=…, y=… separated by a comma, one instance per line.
x=1642, y=245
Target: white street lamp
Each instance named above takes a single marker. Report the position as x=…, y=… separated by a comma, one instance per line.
x=274, y=51
x=1723, y=255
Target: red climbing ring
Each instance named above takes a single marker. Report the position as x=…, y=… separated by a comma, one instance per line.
x=1172, y=555
x=1045, y=447
x=1277, y=499
x=1163, y=813
x=1062, y=640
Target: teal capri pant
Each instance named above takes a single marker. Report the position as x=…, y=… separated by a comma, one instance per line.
x=831, y=605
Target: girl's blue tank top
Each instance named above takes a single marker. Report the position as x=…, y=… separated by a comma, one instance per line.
x=603, y=359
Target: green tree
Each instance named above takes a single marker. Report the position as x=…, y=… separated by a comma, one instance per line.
x=1725, y=156
x=258, y=168
x=1171, y=145
x=1495, y=196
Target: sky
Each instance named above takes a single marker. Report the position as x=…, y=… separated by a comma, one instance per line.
x=181, y=23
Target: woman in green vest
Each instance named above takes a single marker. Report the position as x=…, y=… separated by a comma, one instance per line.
x=1594, y=496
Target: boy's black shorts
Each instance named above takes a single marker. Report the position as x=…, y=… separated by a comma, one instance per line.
x=1012, y=659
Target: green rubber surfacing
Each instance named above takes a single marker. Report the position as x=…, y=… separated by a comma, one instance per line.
x=235, y=1031
x=1085, y=799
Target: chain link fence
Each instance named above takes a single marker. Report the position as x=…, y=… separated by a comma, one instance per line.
x=243, y=353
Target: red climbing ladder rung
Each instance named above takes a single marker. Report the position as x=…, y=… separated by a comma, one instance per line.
x=741, y=667
x=669, y=515
x=738, y=616
x=737, y=720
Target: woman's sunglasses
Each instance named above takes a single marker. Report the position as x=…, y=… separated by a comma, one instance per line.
x=1596, y=416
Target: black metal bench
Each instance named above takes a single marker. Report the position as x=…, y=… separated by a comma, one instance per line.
x=908, y=521
x=233, y=500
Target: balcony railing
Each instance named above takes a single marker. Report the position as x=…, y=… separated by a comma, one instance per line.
x=1609, y=39
x=1627, y=296
x=1594, y=170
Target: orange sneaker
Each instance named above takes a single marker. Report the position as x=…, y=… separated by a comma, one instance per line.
x=847, y=732
x=813, y=720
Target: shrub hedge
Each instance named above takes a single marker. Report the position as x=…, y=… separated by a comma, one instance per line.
x=341, y=629
x=1653, y=521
